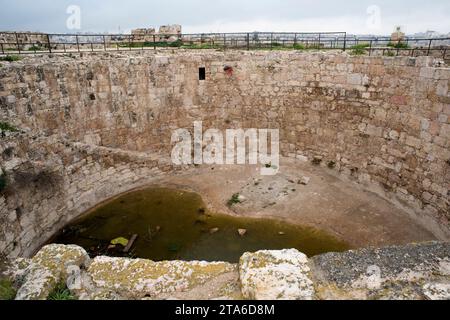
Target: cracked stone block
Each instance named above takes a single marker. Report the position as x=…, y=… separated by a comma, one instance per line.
x=275, y=275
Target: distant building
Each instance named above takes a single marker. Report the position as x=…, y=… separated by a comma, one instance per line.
x=168, y=32
x=397, y=35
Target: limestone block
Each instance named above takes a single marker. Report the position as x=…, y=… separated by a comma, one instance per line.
x=275, y=275
x=413, y=142
x=48, y=268
x=442, y=88
x=427, y=72
x=139, y=278
x=354, y=79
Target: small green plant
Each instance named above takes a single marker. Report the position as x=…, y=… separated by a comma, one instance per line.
x=6, y=127
x=390, y=53
x=299, y=46
x=398, y=45
x=61, y=292
x=36, y=48
x=10, y=58
x=234, y=200
x=359, y=49
x=7, y=291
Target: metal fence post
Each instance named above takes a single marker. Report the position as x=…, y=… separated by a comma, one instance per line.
x=104, y=42
x=345, y=41
x=49, y=44
x=271, y=39
x=154, y=42
x=248, y=41
x=224, y=40
x=17, y=42
x=1, y=45
x=429, y=47
x=370, y=48
x=78, y=43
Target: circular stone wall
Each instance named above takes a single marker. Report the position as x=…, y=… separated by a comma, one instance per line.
x=98, y=125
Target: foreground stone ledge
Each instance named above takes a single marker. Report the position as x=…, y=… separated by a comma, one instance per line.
x=415, y=271
x=139, y=278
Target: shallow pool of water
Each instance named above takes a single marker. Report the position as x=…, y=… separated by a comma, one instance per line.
x=173, y=224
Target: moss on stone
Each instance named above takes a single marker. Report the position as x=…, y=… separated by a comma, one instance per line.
x=48, y=268
x=139, y=278
x=7, y=291
x=56, y=257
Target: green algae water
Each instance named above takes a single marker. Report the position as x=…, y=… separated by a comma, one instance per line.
x=174, y=225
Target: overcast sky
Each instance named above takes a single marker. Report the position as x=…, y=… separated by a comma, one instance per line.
x=353, y=16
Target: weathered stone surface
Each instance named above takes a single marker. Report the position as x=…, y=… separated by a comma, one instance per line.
x=48, y=268
x=141, y=278
x=437, y=291
x=416, y=271
x=280, y=275
x=304, y=180
x=389, y=133
x=58, y=257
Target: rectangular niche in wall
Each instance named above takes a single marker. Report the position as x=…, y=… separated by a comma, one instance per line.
x=201, y=73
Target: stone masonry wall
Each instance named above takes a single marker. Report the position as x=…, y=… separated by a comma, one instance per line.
x=51, y=181
x=382, y=122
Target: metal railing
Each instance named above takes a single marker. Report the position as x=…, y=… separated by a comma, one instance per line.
x=23, y=43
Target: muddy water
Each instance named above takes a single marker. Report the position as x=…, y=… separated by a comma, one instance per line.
x=173, y=224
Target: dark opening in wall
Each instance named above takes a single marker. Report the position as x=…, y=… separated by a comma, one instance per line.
x=228, y=70
x=201, y=73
